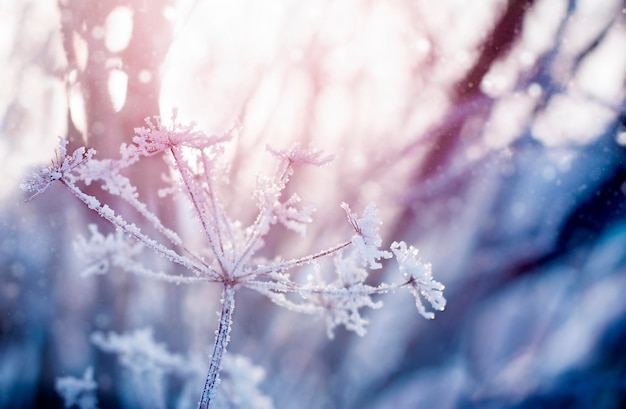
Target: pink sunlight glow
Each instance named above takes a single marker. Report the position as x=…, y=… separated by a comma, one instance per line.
x=329, y=72
x=288, y=147
x=343, y=76
x=340, y=75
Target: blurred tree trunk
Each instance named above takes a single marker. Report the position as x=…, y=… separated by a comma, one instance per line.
x=90, y=64
x=83, y=28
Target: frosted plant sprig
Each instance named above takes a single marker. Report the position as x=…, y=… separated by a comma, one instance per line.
x=338, y=292
x=149, y=362
x=367, y=240
x=419, y=279
x=78, y=392
x=101, y=253
x=343, y=307
x=240, y=389
x=158, y=137
x=62, y=166
x=298, y=155
x=139, y=352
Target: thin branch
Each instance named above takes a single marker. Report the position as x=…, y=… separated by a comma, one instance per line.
x=140, y=270
x=169, y=234
x=214, y=207
x=219, y=349
x=132, y=230
x=290, y=264
x=196, y=199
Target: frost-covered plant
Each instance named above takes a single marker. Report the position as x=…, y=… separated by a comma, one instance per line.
x=230, y=257
x=240, y=388
x=148, y=362
x=78, y=392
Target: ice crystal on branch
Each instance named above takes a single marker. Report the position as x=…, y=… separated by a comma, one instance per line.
x=62, y=166
x=293, y=218
x=228, y=255
x=342, y=306
x=157, y=137
x=298, y=155
x=420, y=279
x=367, y=240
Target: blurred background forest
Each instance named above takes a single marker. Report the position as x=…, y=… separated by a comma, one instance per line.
x=492, y=135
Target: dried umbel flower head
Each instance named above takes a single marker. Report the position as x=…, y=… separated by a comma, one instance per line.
x=228, y=256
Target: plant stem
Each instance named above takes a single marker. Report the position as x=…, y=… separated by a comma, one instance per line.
x=219, y=349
